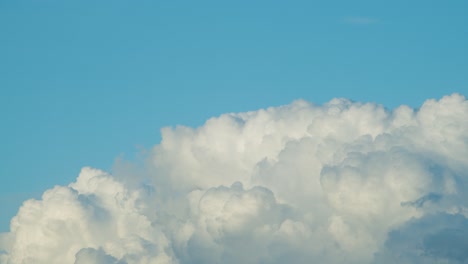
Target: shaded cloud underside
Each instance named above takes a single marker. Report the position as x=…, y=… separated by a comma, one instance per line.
x=344, y=182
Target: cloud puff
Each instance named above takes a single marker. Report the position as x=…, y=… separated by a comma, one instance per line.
x=342, y=182
x=95, y=218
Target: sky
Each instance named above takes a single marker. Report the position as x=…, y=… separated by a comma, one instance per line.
x=85, y=83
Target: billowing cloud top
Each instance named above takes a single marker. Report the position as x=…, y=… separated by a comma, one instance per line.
x=343, y=182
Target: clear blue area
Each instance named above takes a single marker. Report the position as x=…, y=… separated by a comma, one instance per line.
x=83, y=82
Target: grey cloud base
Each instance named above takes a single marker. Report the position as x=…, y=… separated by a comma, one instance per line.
x=344, y=182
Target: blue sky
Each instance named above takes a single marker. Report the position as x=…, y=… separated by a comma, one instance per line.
x=84, y=82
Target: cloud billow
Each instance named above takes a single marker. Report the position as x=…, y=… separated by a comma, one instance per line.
x=343, y=182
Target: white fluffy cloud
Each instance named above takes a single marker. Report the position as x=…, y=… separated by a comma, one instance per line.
x=343, y=182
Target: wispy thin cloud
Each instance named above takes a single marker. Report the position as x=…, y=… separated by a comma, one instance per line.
x=360, y=20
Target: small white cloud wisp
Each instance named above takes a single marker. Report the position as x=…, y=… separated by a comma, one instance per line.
x=342, y=182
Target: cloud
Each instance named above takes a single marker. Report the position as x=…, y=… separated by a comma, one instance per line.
x=93, y=256
x=343, y=182
x=433, y=238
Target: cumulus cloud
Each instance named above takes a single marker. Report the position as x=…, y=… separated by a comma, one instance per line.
x=343, y=182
